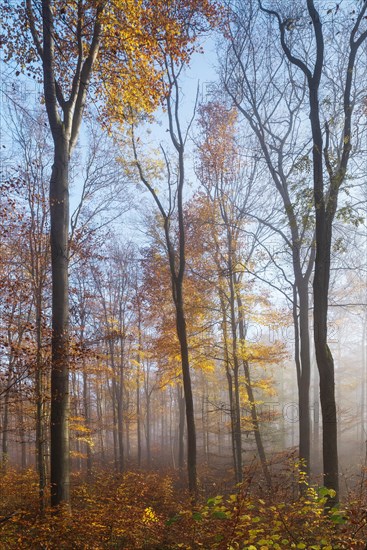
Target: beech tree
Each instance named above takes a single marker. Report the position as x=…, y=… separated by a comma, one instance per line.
x=328, y=172
x=63, y=53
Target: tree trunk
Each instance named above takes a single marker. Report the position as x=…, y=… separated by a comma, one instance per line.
x=303, y=366
x=181, y=428
x=120, y=427
x=237, y=411
x=100, y=421
x=23, y=442
x=40, y=412
x=87, y=419
x=325, y=365
x=324, y=358
x=115, y=428
x=189, y=402
x=171, y=436
x=4, y=450
x=163, y=427
x=148, y=430
x=224, y=325
x=138, y=421
x=127, y=450
x=250, y=396
x=237, y=422
x=59, y=212
x=363, y=388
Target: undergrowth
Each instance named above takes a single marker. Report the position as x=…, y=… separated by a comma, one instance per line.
x=143, y=510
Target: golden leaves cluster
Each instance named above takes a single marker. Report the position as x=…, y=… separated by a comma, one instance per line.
x=138, y=36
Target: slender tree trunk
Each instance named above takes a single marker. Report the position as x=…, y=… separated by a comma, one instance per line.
x=189, y=402
x=65, y=116
x=251, y=398
x=127, y=437
x=232, y=417
x=181, y=428
x=237, y=421
x=303, y=366
x=148, y=430
x=120, y=427
x=100, y=422
x=363, y=388
x=256, y=425
x=115, y=427
x=75, y=413
x=204, y=428
x=23, y=441
x=40, y=408
x=177, y=260
x=237, y=415
x=207, y=422
x=171, y=436
x=5, y=449
x=138, y=413
x=163, y=430
x=87, y=419
x=229, y=381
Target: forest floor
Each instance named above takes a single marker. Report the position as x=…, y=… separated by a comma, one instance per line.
x=149, y=510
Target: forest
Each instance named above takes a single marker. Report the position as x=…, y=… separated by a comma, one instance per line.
x=183, y=274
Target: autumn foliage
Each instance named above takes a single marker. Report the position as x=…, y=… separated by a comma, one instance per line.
x=147, y=511
x=150, y=328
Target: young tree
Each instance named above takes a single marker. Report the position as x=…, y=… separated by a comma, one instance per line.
x=254, y=82
x=176, y=253
x=31, y=136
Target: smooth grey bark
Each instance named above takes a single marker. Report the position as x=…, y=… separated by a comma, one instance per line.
x=64, y=130
x=59, y=213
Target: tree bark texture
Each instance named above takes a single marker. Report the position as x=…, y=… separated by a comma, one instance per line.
x=59, y=213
